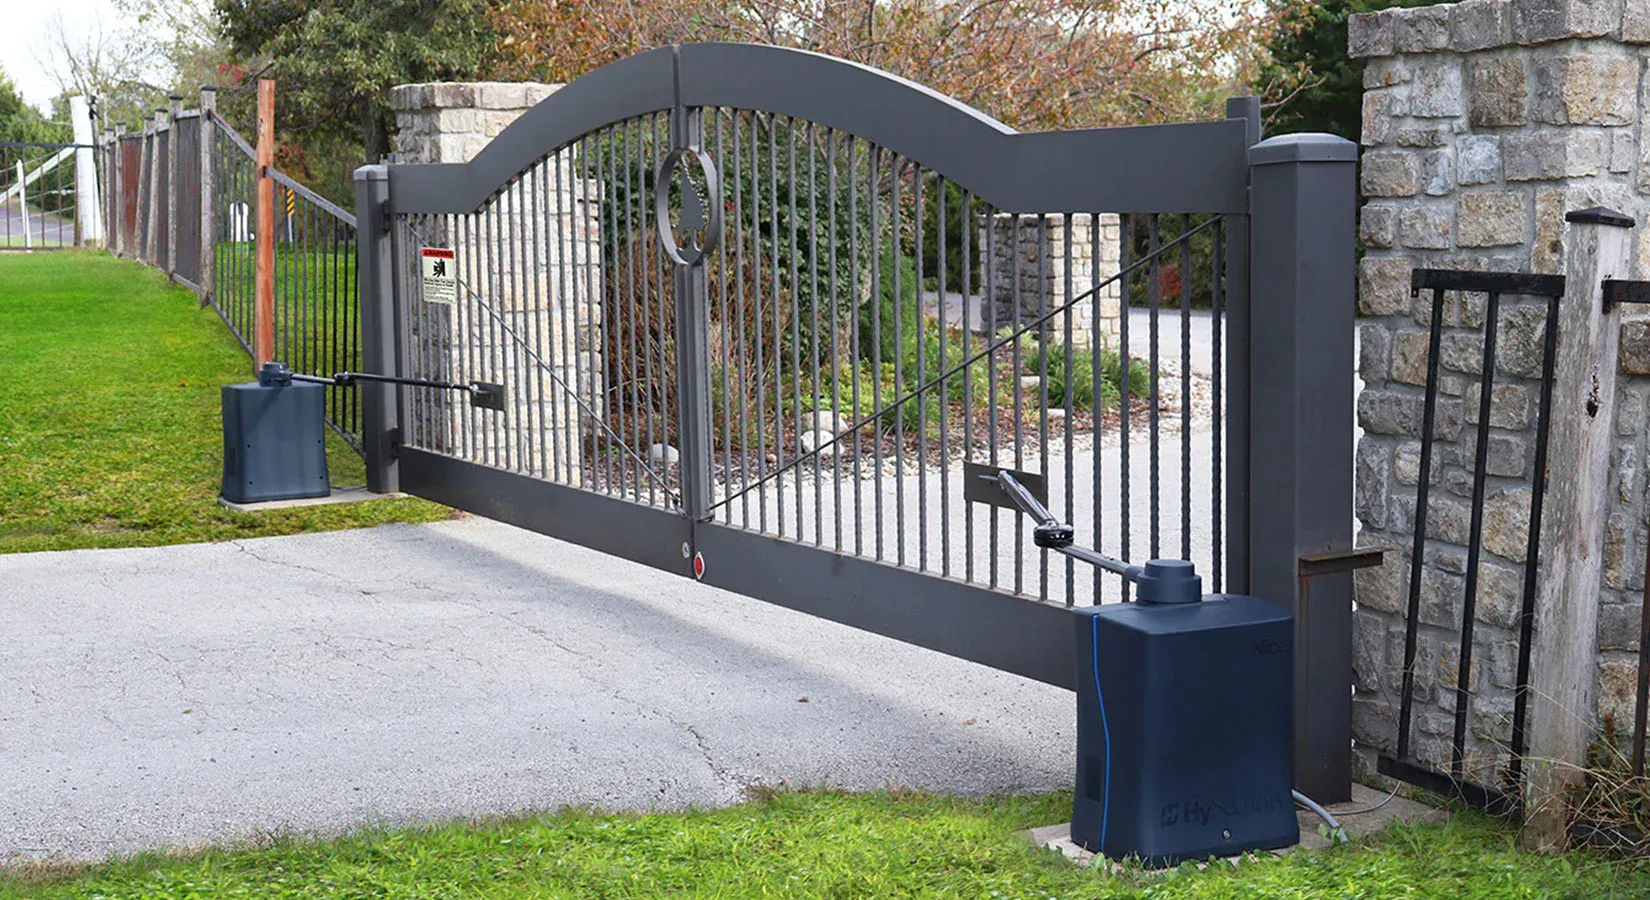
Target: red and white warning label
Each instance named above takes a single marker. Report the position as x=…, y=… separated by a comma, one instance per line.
x=440, y=281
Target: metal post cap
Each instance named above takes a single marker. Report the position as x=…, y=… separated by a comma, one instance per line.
x=1302, y=148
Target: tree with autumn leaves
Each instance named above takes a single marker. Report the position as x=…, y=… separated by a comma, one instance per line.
x=1034, y=64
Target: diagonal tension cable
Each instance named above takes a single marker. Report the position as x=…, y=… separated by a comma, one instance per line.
x=550, y=370
x=989, y=349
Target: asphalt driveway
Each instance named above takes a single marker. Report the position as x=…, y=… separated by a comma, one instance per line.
x=171, y=696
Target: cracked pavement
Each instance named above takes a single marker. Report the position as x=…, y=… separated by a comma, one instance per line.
x=174, y=696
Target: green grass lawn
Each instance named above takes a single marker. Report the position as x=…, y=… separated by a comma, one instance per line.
x=110, y=428
x=809, y=844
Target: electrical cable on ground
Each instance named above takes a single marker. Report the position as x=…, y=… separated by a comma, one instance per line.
x=1335, y=830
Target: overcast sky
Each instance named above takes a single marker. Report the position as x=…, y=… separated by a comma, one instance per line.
x=23, y=32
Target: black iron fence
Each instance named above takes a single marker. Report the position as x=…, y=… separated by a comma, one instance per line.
x=183, y=196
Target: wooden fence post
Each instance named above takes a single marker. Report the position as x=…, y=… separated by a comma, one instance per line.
x=264, y=283
x=1564, y=680
x=209, y=211
x=146, y=241
x=174, y=183
x=116, y=175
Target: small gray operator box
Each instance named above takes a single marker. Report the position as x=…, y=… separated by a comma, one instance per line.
x=274, y=442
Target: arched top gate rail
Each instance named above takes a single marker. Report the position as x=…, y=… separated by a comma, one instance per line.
x=1197, y=167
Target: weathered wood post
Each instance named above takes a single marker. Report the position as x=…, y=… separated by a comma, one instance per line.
x=209, y=210
x=264, y=281
x=1563, y=679
x=174, y=184
x=146, y=240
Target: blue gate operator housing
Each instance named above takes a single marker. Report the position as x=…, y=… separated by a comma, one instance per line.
x=274, y=442
x=1184, y=716
x=1184, y=712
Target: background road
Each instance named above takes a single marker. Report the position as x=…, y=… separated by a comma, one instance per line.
x=171, y=696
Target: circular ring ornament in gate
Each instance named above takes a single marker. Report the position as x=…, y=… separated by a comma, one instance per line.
x=700, y=218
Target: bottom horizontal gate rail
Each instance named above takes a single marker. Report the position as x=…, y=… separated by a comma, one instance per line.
x=1456, y=779
x=757, y=312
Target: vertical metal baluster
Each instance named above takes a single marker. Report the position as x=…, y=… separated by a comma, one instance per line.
x=796, y=320
x=1096, y=373
x=1043, y=332
x=1069, y=220
x=836, y=340
x=1475, y=529
x=778, y=339
x=464, y=306
x=1538, y=495
x=544, y=332
x=726, y=328
x=813, y=308
x=759, y=378
x=588, y=184
x=897, y=252
x=1185, y=387
x=876, y=341
x=664, y=272
x=1125, y=370
x=549, y=258
x=1217, y=415
x=747, y=376
x=630, y=341
x=1018, y=368
x=1153, y=289
x=565, y=213
x=854, y=343
x=652, y=337
x=967, y=214
x=942, y=226
x=993, y=219
x=920, y=338
x=1422, y=488
x=494, y=305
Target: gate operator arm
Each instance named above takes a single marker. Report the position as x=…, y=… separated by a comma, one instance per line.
x=1160, y=580
x=483, y=394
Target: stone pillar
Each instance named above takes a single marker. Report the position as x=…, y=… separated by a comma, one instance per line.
x=1037, y=258
x=1484, y=122
x=517, y=321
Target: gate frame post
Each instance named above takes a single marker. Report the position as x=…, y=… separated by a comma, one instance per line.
x=1237, y=370
x=174, y=184
x=692, y=348
x=380, y=406
x=206, y=277
x=1303, y=212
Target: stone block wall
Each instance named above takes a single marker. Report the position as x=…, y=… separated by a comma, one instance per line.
x=1483, y=123
x=529, y=312
x=1037, y=256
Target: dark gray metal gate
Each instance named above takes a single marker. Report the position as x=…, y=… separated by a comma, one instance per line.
x=762, y=314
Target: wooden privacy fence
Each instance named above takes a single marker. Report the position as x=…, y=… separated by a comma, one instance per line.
x=190, y=196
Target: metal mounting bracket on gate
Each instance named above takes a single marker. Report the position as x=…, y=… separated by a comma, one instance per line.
x=1622, y=290
x=483, y=394
x=1159, y=581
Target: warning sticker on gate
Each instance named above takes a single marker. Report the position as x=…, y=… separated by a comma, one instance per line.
x=440, y=282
